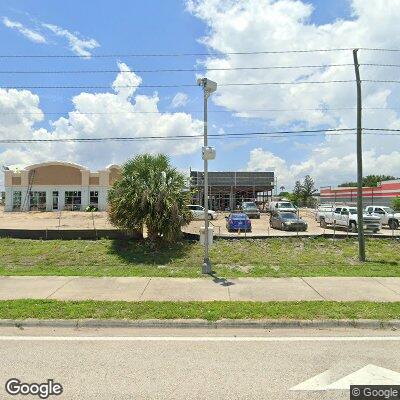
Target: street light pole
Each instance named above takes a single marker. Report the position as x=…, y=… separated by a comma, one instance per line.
x=206, y=263
x=208, y=154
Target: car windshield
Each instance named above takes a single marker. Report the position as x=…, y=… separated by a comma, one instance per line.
x=249, y=205
x=353, y=211
x=285, y=205
x=239, y=216
x=288, y=215
x=388, y=209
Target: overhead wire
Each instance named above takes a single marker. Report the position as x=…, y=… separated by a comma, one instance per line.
x=161, y=70
x=273, y=134
x=199, y=54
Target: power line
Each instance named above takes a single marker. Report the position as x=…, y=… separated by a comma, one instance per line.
x=138, y=138
x=379, y=65
x=210, y=54
x=197, y=54
x=198, y=111
x=178, y=85
x=274, y=134
x=205, y=69
x=141, y=71
x=378, y=49
x=383, y=129
x=193, y=85
x=380, y=80
x=176, y=69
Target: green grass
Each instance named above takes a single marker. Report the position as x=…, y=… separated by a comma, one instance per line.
x=231, y=258
x=53, y=309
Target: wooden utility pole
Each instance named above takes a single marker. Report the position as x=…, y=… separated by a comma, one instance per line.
x=360, y=211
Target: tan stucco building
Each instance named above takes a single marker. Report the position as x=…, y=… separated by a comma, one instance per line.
x=55, y=185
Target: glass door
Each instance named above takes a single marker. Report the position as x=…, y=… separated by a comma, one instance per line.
x=55, y=200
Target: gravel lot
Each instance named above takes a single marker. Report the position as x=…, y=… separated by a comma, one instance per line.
x=98, y=220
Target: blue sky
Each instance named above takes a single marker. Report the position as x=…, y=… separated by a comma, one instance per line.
x=156, y=26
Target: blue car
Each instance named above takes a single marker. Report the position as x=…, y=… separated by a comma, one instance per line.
x=238, y=221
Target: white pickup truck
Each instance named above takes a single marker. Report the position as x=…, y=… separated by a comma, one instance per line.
x=387, y=215
x=345, y=216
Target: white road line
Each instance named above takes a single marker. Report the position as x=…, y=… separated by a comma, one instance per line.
x=200, y=339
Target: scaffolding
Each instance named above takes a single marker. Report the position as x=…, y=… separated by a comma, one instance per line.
x=227, y=190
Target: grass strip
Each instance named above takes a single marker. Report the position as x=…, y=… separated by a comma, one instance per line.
x=214, y=310
x=274, y=257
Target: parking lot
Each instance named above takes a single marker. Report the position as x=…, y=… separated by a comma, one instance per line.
x=261, y=227
x=98, y=220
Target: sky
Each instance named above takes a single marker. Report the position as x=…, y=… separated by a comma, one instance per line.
x=199, y=36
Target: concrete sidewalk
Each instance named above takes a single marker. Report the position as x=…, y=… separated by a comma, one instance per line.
x=201, y=289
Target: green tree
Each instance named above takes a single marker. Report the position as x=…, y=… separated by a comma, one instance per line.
x=373, y=180
x=369, y=181
x=150, y=193
x=296, y=195
x=307, y=191
x=396, y=203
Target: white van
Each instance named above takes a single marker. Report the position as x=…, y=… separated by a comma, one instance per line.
x=282, y=205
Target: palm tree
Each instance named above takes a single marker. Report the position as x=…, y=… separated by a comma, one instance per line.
x=150, y=193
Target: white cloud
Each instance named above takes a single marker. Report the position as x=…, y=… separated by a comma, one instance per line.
x=95, y=115
x=77, y=45
x=179, y=100
x=264, y=160
x=257, y=25
x=324, y=170
x=30, y=34
x=126, y=78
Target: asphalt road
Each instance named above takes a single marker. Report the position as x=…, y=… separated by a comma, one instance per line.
x=198, y=364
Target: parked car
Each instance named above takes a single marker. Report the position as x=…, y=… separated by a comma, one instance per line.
x=238, y=221
x=287, y=221
x=283, y=205
x=346, y=216
x=198, y=212
x=322, y=209
x=387, y=215
x=250, y=209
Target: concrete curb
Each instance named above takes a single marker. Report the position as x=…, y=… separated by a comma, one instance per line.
x=202, y=324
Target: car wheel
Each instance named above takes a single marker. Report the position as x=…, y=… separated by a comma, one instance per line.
x=353, y=227
x=322, y=223
x=210, y=217
x=393, y=224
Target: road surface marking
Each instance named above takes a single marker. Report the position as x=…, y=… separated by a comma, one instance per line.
x=201, y=338
x=368, y=375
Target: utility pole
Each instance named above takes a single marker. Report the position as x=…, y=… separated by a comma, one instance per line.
x=208, y=154
x=360, y=211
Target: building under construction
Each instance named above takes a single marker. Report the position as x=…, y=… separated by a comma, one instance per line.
x=227, y=190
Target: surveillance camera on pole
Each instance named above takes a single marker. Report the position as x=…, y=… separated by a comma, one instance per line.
x=209, y=87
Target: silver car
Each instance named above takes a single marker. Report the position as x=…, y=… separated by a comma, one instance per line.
x=198, y=212
x=287, y=221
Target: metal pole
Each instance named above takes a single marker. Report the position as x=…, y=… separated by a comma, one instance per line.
x=360, y=224
x=206, y=263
